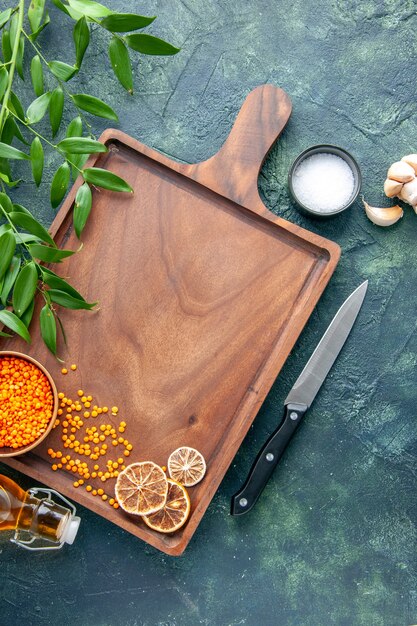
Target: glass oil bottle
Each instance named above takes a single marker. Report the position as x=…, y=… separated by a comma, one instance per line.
x=38, y=522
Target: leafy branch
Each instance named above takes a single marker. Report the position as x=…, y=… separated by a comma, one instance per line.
x=26, y=247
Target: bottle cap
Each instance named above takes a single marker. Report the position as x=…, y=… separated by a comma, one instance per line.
x=70, y=530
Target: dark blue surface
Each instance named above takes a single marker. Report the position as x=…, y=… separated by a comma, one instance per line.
x=333, y=538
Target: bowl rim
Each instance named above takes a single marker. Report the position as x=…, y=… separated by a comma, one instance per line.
x=323, y=148
x=34, y=444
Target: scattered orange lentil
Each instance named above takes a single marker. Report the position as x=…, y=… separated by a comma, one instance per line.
x=64, y=370
x=26, y=402
x=73, y=367
x=71, y=429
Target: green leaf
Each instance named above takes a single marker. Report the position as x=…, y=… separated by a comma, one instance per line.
x=5, y=171
x=7, y=248
x=35, y=13
x=19, y=57
x=25, y=288
x=90, y=8
x=105, y=179
x=61, y=326
x=61, y=70
x=28, y=314
x=61, y=6
x=36, y=74
x=148, y=44
x=3, y=334
x=82, y=208
x=25, y=238
x=6, y=47
x=81, y=145
x=4, y=17
x=56, y=282
x=8, y=131
x=34, y=35
x=56, y=108
x=5, y=228
x=125, y=22
x=11, y=320
x=69, y=302
x=37, y=109
x=9, y=279
x=120, y=62
x=37, y=158
x=77, y=163
x=66, y=9
x=9, y=152
x=47, y=254
x=81, y=36
x=95, y=106
x=16, y=130
x=48, y=327
x=29, y=223
x=21, y=209
x=75, y=127
x=15, y=105
x=60, y=184
x=6, y=203
x=14, y=24
x=6, y=179
x=4, y=77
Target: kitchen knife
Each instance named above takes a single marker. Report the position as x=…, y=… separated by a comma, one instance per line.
x=298, y=401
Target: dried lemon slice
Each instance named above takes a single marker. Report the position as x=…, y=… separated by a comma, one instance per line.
x=187, y=466
x=175, y=512
x=142, y=488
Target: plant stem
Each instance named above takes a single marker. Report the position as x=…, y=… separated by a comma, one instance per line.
x=60, y=82
x=21, y=243
x=21, y=10
x=35, y=132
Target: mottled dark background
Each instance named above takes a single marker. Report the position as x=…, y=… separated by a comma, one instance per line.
x=333, y=539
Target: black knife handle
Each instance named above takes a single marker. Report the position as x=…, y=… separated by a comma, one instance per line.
x=267, y=459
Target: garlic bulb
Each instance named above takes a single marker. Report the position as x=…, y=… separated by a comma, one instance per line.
x=401, y=181
x=401, y=172
x=408, y=192
x=411, y=159
x=392, y=187
x=383, y=216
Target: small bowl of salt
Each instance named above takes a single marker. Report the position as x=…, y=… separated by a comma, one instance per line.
x=324, y=180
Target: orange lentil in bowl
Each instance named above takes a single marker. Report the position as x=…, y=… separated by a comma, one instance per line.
x=26, y=402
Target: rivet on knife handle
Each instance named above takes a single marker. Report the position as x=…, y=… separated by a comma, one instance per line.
x=267, y=459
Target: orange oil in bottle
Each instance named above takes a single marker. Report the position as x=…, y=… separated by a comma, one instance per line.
x=19, y=510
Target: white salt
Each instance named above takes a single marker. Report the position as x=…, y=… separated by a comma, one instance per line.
x=323, y=182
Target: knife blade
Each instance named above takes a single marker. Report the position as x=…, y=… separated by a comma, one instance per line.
x=299, y=400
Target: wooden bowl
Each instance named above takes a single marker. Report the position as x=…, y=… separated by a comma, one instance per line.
x=7, y=451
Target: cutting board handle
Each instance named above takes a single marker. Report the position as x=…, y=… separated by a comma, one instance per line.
x=233, y=171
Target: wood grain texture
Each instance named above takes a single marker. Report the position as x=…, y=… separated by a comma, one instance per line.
x=203, y=293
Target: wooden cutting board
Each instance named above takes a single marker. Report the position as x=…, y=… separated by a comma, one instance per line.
x=203, y=293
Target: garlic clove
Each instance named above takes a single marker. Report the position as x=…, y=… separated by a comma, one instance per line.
x=411, y=159
x=401, y=171
x=383, y=216
x=409, y=192
x=392, y=187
